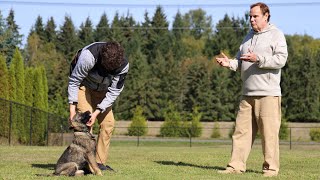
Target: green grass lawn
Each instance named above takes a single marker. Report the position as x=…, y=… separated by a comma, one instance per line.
x=161, y=161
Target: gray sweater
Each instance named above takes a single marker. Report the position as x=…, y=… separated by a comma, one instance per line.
x=85, y=74
x=263, y=77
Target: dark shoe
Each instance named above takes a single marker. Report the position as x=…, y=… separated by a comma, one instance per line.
x=109, y=168
x=104, y=168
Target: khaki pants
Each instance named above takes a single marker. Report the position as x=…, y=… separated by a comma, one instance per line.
x=257, y=112
x=87, y=101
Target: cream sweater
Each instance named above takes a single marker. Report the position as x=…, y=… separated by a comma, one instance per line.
x=263, y=77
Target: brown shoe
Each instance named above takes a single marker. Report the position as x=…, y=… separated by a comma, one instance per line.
x=270, y=173
x=230, y=170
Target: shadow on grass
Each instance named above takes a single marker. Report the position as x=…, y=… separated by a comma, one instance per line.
x=188, y=164
x=197, y=166
x=44, y=166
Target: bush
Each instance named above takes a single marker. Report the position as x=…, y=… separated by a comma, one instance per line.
x=138, y=126
x=216, y=130
x=315, y=134
x=231, y=131
x=172, y=122
x=193, y=128
x=284, y=132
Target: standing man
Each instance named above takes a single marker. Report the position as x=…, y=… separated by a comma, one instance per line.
x=262, y=54
x=96, y=80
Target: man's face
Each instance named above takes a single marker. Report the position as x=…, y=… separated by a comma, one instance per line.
x=257, y=19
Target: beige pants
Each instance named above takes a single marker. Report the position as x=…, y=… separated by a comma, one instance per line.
x=257, y=112
x=87, y=101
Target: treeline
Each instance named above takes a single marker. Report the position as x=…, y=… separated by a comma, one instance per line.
x=169, y=66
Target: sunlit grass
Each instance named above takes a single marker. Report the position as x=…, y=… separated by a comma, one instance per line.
x=165, y=160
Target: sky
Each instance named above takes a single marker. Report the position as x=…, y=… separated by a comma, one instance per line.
x=291, y=16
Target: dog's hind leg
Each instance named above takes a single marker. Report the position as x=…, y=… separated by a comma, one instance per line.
x=67, y=169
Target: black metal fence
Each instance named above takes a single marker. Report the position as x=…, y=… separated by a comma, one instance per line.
x=24, y=125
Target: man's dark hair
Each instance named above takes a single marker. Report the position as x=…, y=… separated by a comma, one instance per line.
x=264, y=8
x=112, y=56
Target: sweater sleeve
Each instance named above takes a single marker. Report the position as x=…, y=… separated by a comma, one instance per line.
x=114, y=89
x=85, y=63
x=279, y=56
x=235, y=63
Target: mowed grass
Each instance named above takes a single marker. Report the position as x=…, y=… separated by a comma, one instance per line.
x=161, y=160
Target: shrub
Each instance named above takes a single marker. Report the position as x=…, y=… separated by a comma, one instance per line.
x=193, y=128
x=216, y=130
x=284, y=132
x=172, y=122
x=315, y=134
x=231, y=131
x=138, y=126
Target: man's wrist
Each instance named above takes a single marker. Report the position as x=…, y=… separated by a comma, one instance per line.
x=99, y=110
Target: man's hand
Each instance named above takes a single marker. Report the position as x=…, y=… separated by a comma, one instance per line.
x=224, y=61
x=250, y=57
x=93, y=117
x=72, y=110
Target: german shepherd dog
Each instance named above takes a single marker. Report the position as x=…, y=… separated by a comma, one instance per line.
x=81, y=152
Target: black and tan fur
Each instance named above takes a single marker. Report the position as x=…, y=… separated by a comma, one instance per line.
x=81, y=152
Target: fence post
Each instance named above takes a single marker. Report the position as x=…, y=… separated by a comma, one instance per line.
x=10, y=125
x=290, y=138
x=47, y=130
x=61, y=128
x=30, y=133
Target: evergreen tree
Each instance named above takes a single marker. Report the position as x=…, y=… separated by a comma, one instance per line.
x=68, y=42
x=102, y=31
x=228, y=36
x=44, y=81
x=145, y=34
x=159, y=35
x=199, y=24
x=50, y=31
x=197, y=81
x=39, y=116
x=3, y=36
x=13, y=106
x=13, y=39
x=39, y=29
x=86, y=33
x=28, y=90
x=135, y=92
x=116, y=29
x=221, y=104
x=302, y=70
x=18, y=66
x=4, y=80
x=160, y=99
x=4, y=94
x=127, y=24
x=178, y=32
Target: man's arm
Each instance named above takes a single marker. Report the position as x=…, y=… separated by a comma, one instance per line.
x=279, y=57
x=114, y=89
